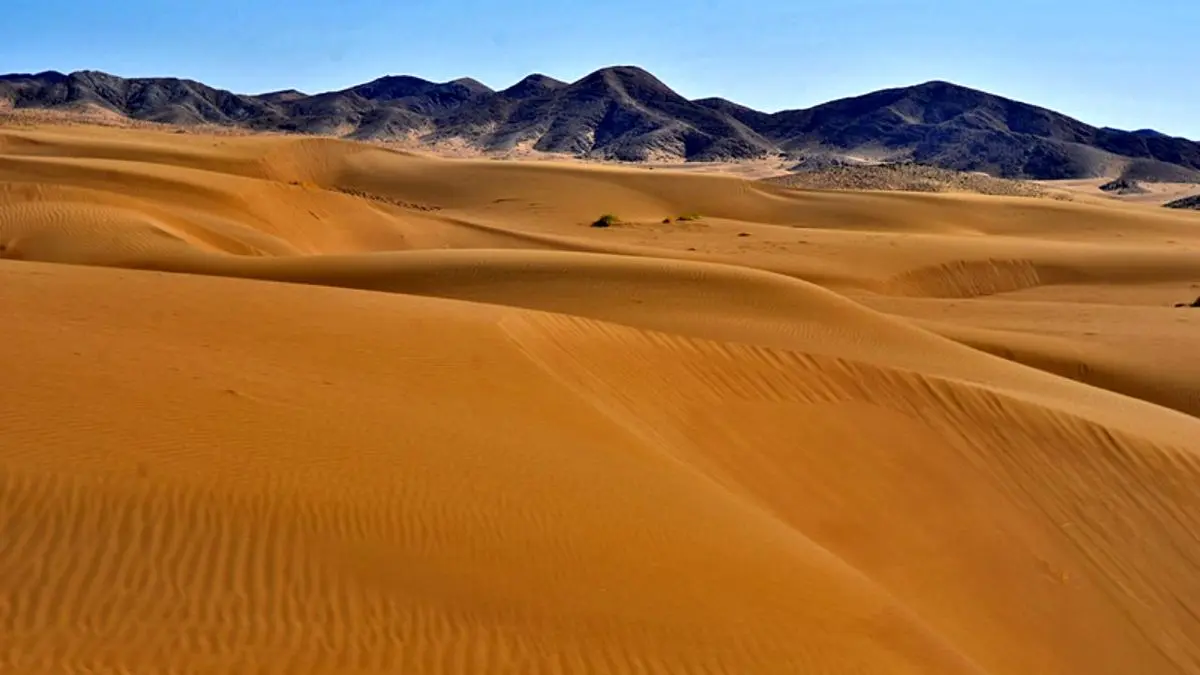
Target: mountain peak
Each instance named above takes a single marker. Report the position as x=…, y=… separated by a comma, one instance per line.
x=633, y=80
x=624, y=74
x=391, y=87
x=283, y=95
x=939, y=84
x=625, y=70
x=46, y=75
x=534, y=85
x=942, y=88
x=475, y=86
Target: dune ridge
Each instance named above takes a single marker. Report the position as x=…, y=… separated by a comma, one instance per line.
x=305, y=405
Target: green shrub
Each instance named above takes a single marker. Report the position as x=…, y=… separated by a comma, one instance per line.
x=606, y=220
x=689, y=216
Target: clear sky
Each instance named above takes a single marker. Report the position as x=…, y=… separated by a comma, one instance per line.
x=1122, y=63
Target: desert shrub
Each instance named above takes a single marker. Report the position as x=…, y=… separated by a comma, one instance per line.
x=606, y=220
x=689, y=216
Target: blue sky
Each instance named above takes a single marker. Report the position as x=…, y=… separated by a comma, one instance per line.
x=1107, y=62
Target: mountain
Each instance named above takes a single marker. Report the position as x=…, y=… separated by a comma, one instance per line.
x=953, y=127
x=626, y=113
x=167, y=100
x=282, y=96
x=534, y=85
x=623, y=113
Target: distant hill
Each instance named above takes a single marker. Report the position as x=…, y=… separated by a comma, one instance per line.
x=626, y=113
x=953, y=127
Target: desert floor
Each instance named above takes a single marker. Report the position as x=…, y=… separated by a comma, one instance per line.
x=301, y=405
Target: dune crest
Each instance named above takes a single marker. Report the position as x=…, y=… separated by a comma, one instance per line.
x=304, y=405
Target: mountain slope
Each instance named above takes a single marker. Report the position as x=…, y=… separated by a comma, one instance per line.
x=167, y=100
x=954, y=127
x=626, y=113
x=623, y=113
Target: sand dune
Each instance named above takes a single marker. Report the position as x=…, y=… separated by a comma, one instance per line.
x=302, y=405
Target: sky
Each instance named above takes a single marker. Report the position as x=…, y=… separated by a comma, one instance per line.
x=1112, y=63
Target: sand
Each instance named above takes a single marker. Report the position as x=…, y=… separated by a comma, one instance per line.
x=301, y=405
x=1152, y=193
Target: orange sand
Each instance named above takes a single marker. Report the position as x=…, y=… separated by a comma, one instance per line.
x=473, y=435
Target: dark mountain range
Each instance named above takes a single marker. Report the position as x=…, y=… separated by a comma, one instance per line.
x=626, y=113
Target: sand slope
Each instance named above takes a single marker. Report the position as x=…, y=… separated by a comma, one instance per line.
x=548, y=448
